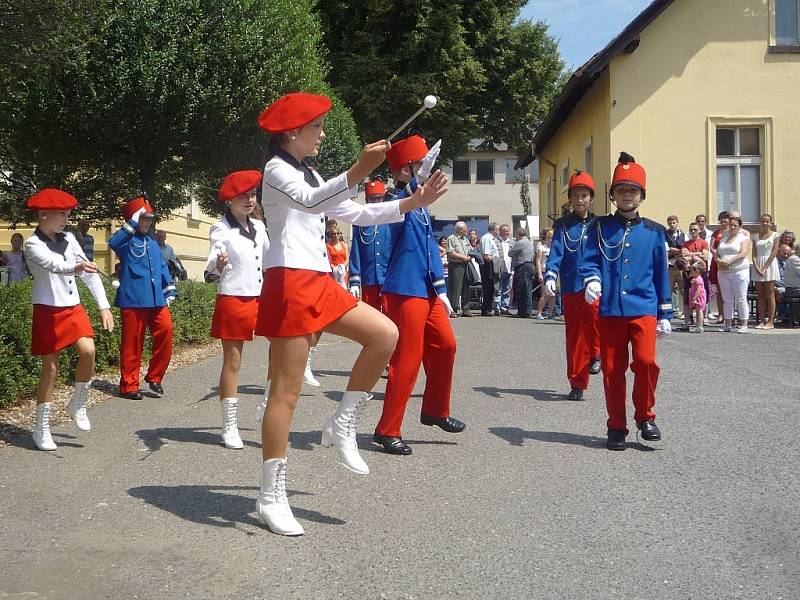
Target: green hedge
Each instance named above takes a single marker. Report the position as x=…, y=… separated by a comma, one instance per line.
x=19, y=371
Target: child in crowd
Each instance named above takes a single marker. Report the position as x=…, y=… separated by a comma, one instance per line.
x=697, y=295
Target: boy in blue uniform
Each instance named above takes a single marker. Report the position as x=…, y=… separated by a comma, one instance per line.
x=369, y=253
x=144, y=295
x=625, y=265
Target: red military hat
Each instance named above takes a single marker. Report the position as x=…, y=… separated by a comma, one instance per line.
x=237, y=183
x=51, y=199
x=581, y=179
x=410, y=149
x=292, y=111
x=629, y=172
x=375, y=188
x=130, y=208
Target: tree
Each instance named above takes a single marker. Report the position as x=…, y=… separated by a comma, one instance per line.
x=158, y=96
x=525, y=195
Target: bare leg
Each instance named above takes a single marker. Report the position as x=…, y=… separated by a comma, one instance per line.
x=719, y=305
x=760, y=302
x=85, y=348
x=769, y=292
x=44, y=389
x=231, y=362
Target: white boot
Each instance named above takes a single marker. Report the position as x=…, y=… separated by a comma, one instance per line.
x=77, y=406
x=340, y=431
x=41, y=431
x=272, y=506
x=308, y=376
x=262, y=405
x=230, y=430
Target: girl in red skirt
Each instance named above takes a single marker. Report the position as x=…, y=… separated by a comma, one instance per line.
x=55, y=259
x=300, y=296
x=238, y=245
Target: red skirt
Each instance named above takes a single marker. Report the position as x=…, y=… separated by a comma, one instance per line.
x=57, y=327
x=234, y=317
x=297, y=302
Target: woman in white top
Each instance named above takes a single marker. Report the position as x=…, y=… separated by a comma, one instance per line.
x=238, y=247
x=15, y=260
x=733, y=273
x=59, y=321
x=765, y=272
x=300, y=298
x=542, y=252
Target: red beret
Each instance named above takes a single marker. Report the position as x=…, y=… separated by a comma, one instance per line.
x=410, y=149
x=52, y=199
x=237, y=183
x=581, y=179
x=292, y=111
x=629, y=172
x=375, y=188
x=129, y=208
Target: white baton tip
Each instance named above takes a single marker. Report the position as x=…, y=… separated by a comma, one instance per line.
x=115, y=284
x=430, y=101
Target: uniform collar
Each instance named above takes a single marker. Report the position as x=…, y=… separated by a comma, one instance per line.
x=627, y=222
x=233, y=223
x=59, y=245
x=589, y=216
x=301, y=166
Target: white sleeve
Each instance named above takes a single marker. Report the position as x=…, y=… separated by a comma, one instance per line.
x=217, y=234
x=92, y=280
x=285, y=185
x=366, y=214
x=39, y=254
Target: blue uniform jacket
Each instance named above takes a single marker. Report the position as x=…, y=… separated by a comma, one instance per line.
x=415, y=268
x=369, y=254
x=567, y=250
x=629, y=259
x=144, y=279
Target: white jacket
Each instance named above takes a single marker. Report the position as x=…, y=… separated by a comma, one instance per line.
x=52, y=265
x=246, y=253
x=295, y=210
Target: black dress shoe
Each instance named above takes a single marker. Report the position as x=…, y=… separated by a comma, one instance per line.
x=575, y=394
x=155, y=387
x=137, y=395
x=594, y=368
x=616, y=439
x=449, y=424
x=392, y=445
x=650, y=431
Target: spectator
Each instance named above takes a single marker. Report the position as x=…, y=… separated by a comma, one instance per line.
x=694, y=249
x=458, y=249
x=765, y=272
x=788, y=237
x=792, y=281
x=443, y=255
x=502, y=272
x=734, y=273
x=722, y=219
x=490, y=252
x=337, y=253
x=784, y=252
x=474, y=241
x=15, y=260
x=705, y=232
x=542, y=252
x=88, y=240
x=675, y=241
x=521, y=254
x=176, y=270
x=742, y=230
x=697, y=294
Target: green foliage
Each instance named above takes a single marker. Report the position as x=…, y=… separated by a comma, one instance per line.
x=19, y=371
x=525, y=196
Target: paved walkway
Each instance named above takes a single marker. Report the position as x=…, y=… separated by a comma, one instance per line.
x=526, y=503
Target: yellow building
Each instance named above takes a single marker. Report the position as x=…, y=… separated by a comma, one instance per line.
x=704, y=94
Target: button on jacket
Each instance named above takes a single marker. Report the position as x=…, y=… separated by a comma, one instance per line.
x=369, y=254
x=566, y=252
x=246, y=249
x=52, y=264
x=144, y=279
x=629, y=259
x=294, y=199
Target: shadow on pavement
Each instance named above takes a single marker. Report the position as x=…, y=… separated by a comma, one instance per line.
x=253, y=390
x=543, y=395
x=376, y=396
x=327, y=373
x=155, y=439
x=211, y=505
x=516, y=437
x=22, y=438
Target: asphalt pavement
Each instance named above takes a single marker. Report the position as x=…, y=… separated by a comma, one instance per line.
x=526, y=503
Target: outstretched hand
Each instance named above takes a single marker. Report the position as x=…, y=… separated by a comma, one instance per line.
x=371, y=157
x=434, y=188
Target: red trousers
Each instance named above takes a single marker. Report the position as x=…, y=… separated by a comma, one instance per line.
x=371, y=294
x=426, y=338
x=615, y=335
x=135, y=322
x=583, y=339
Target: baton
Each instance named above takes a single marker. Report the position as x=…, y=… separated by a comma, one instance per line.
x=430, y=102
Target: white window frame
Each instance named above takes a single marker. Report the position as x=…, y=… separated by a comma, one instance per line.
x=563, y=175
x=774, y=46
x=588, y=165
x=469, y=170
x=485, y=181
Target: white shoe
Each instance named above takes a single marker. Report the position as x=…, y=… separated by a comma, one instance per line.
x=230, y=430
x=77, y=406
x=262, y=405
x=41, y=431
x=272, y=506
x=308, y=375
x=743, y=329
x=340, y=431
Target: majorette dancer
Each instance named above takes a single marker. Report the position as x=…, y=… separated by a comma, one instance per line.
x=55, y=259
x=369, y=253
x=301, y=298
x=415, y=298
x=144, y=295
x=566, y=254
x=238, y=249
x=625, y=265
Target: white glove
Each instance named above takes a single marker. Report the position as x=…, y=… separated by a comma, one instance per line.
x=137, y=214
x=550, y=287
x=664, y=328
x=593, y=291
x=446, y=301
x=427, y=162
x=355, y=290
x=170, y=300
